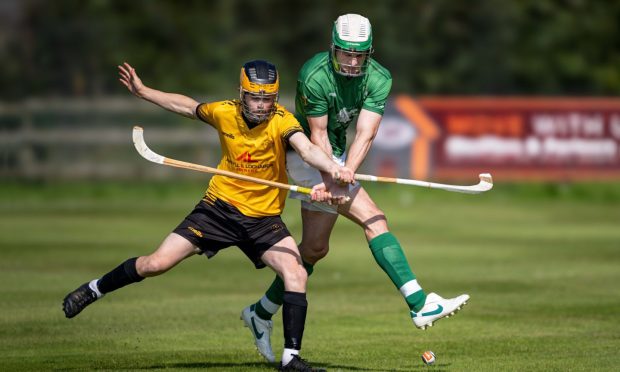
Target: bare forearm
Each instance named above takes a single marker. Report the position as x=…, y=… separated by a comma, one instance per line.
x=313, y=155
x=316, y=157
x=358, y=151
x=320, y=139
x=367, y=127
x=174, y=102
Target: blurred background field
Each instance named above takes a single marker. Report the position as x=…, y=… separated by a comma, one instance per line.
x=540, y=262
x=540, y=259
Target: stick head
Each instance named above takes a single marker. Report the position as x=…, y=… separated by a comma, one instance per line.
x=142, y=148
x=486, y=182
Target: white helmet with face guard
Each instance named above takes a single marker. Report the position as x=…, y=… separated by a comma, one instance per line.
x=351, y=45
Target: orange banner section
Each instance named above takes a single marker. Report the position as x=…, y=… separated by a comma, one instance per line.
x=427, y=133
x=555, y=139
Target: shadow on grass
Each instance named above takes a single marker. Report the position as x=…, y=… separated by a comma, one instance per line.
x=210, y=365
x=330, y=367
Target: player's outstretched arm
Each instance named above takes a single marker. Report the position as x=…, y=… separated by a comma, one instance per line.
x=176, y=103
x=314, y=156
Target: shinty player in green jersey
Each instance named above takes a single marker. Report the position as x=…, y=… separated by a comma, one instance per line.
x=335, y=89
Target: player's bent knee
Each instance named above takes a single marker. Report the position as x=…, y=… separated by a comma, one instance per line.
x=150, y=266
x=295, y=278
x=314, y=251
x=299, y=275
x=320, y=253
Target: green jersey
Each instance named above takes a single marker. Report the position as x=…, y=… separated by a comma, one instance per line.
x=321, y=91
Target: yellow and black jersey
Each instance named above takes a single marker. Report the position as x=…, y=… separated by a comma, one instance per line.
x=258, y=152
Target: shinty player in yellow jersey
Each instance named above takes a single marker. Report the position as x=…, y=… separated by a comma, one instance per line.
x=254, y=132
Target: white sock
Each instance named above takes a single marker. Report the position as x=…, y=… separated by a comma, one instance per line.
x=410, y=288
x=93, y=285
x=287, y=355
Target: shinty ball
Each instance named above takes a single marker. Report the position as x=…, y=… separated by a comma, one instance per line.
x=428, y=357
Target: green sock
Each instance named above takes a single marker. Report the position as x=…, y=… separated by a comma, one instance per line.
x=389, y=255
x=267, y=306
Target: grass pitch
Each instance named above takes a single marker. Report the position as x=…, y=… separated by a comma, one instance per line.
x=541, y=263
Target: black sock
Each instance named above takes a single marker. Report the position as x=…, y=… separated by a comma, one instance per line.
x=294, y=318
x=122, y=275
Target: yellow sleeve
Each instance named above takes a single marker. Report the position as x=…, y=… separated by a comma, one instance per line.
x=288, y=126
x=206, y=113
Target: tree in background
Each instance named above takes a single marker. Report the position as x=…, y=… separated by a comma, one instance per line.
x=531, y=47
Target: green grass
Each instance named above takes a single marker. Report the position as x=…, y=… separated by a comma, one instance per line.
x=541, y=263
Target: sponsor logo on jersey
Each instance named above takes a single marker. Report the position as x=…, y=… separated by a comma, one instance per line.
x=245, y=164
x=231, y=136
x=345, y=115
x=246, y=157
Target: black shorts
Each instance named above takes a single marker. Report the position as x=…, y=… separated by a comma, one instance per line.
x=218, y=225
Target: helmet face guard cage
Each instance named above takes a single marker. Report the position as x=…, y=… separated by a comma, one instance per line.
x=351, y=63
x=259, y=79
x=261, y=113
x=351, y=45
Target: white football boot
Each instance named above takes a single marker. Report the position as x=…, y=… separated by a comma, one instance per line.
x=261, y=330
x=436, y=308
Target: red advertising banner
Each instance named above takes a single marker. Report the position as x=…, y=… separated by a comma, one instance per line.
x=555, y=139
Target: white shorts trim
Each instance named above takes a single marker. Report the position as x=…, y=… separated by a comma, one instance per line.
x=303, y=174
